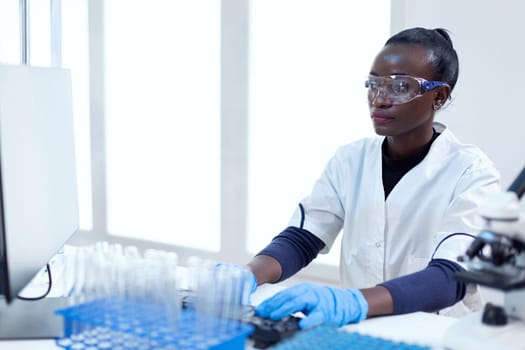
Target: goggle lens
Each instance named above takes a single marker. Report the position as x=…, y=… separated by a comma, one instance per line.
x=398, y=89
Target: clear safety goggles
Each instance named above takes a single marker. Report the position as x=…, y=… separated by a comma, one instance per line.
x=398, y=89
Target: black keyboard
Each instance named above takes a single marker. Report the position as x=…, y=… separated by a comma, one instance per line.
x=269, y=332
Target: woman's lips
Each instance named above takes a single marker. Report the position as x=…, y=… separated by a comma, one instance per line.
x=381, y=118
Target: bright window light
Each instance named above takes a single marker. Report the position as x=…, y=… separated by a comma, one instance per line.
x=75, y=57
x=162, y=79
x=309, y=61
x=9, y=32
x=39, y=33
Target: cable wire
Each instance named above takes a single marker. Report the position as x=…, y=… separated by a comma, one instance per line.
x=48, y=287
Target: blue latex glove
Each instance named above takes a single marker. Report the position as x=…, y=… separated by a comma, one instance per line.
x=249, y=279
x=320, y=304
x=252, y=280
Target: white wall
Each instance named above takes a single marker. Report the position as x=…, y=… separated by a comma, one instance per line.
x=488, y=109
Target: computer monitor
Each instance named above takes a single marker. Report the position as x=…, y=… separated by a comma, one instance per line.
x=38, y=182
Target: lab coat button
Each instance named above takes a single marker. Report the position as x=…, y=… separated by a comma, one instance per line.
x=378, y=244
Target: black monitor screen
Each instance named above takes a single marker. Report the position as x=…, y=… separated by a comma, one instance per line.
x=38, y=190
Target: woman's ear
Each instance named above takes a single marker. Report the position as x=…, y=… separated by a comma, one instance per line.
x=441, y=96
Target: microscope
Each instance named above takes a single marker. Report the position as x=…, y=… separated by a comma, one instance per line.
x=496, y=259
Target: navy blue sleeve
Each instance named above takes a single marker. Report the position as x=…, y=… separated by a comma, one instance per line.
x=294, y=248
x=429, y=290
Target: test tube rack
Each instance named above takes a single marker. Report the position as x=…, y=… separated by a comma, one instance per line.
x=117, y=323
x=120, y=298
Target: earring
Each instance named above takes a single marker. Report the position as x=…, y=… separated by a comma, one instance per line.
x=435, y=106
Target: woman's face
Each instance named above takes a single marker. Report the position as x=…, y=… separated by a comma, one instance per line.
x=411, y=118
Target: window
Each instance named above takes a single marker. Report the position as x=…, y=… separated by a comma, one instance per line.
x=39, y=32
x=75, y=57
x=309, y=61
x=155, y=132
x=151, y=117
x=9, y=32
x=162, y=121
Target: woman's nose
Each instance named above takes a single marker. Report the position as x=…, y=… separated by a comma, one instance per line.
x=380, y=99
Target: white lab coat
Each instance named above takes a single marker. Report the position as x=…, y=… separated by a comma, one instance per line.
x=387, y=239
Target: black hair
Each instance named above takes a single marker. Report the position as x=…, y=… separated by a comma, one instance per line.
x=445, y=58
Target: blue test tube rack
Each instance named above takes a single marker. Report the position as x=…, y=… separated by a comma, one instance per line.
x=122, y=324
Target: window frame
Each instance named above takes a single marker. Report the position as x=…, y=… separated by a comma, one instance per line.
x=234, y=143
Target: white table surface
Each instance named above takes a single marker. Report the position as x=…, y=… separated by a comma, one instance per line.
x=415, y=328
